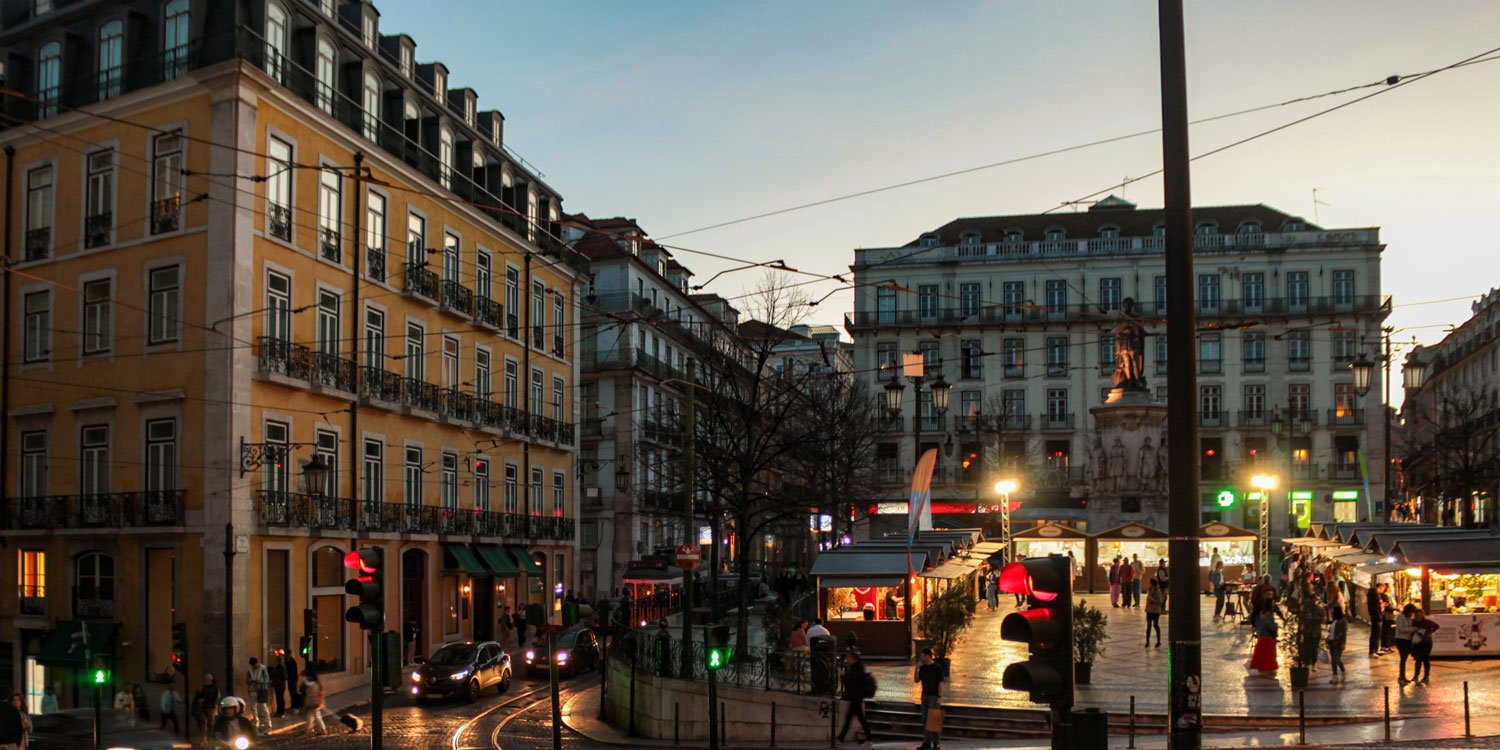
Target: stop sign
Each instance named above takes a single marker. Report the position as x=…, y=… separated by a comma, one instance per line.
x=688, y=557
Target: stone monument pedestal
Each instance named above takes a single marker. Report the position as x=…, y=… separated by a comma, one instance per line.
x=1127, y=462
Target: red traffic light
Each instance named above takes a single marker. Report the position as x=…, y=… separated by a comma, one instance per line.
x=1209, y=453
x=363, y=560
x=1016, y=579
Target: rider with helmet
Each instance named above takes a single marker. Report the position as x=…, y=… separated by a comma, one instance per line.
x=231, y=722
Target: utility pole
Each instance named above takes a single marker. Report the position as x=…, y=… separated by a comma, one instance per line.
x=689, y=460
x=553, y=685
x=228, y=609
x=1184, y=681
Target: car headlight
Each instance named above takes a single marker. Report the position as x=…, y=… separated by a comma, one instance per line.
x=416, y=677
x=416, y=690
x=562, y=656
x=242, y=743
x=530, y=655
x=460, y=674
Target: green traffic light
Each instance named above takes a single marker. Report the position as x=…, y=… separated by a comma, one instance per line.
x=100, y=677
x=1226, y=498
x=717, y=657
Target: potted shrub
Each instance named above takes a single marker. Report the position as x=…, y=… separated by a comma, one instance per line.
x=947, y=616
x=1088, y=639
x=1299, y=641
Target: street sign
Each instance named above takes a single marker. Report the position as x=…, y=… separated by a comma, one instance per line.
x=688, y=557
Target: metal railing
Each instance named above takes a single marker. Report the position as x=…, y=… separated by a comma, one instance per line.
x=1035, y=312
x=458, y=297
x=766, y=668
x=375, y=262
x=420, y=280
x=38, y=243
x=1253, y=418
x=488, y=312
x=1052, y=421
x=330, y=247
x=419, y=394
x=98, y=229
x=279, y=221
x=380, y=384
x=298, y=510
x=1344, y=417
x=31, y=599
x=110, y=510
x=166, y=214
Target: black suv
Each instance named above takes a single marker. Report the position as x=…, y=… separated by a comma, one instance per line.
x=462, y=669
x=577, y=650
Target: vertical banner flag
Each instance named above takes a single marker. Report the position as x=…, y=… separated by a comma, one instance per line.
x=919, y=510
x=1364, y=473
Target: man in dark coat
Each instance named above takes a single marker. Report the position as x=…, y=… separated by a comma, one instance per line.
x=278, y=682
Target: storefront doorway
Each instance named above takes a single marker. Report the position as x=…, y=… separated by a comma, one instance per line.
x=413, y=606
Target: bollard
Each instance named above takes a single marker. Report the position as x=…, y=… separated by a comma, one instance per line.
x=1302, y=716
x=723, y=728
x=676, y=725
x=1132, y=722
x=773, y=723
x=1387, y=713
x=1467, y=733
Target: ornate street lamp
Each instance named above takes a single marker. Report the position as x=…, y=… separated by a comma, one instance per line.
x=622, y=478
x=1413, y=374
x=940, y=393
x=894, y=393
x=315, y=475
x=1363, y=369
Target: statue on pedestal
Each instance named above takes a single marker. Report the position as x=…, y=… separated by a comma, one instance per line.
x=1130, y=349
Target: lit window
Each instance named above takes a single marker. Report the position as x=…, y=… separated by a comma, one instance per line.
x=326, y=76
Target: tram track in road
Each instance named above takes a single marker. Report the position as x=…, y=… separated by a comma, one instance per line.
x=492, y=723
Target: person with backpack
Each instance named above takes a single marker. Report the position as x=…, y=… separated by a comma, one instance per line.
x=859, y=686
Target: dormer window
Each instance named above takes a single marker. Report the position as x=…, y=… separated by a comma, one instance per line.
x=326, y=71
x=1295, y=225
x=372, y=107
x=439, y=85
x=275, y=41
x=1055, y=234
x=111, y=62
x=1208, y=227
x=1250, y=227
x=1110, y=232
x=1013, y=235
x=175, y=39
x=469, y=110
x=405, y=61
x=367, y=30
x=326, y=6
x=970, y=238
x=929, y=240
x=48, y=78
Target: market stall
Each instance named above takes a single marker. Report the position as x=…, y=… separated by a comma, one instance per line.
x=1457, y=582
x=865, y=590
x=1050, y=539
x=1126, y=541
x=1235, y=547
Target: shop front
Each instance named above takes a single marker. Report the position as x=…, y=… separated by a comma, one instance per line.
x=1127, y=542
x=871, y=592
x=1234, y=546
x=1457, y=582
x=1052, y=539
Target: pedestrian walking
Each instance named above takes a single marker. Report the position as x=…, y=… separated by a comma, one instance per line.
x=170, y=700
x=1405, y=628
x=1263, y=658
x=12, y=724
x=506, y=625
x=312, y=701
x=1127, y=581
x=1156, y=603
x=1114, y=583
x=1161, y=572
x=142, y=707
x=930, y=674
x=1216, y=584
x=410, y=635
x=258, y=682
x=993, y=580
x=1375, y=607
x=293, y=684
x=278, y=681
x=1137, y=580
x=205, y=703
x=1338, y=633
x=859, y=685
x=125, y=707
x=1421, y=645
x=519, y=621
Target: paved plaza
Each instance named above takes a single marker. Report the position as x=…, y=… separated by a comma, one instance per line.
x=1127, y=669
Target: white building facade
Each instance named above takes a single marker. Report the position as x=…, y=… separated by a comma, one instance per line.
x=1016, y=313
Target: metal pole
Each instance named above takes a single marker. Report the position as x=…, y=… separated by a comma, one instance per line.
x=228, y=609
x=1467, y=733
x=1387, y=713
x=713, y=716
x=689, y=535
x=1385, y=413
x=1183, y=626
x=1302, y=716
x=552, y=682
x=676, y=723
x=1132, y=723
x=635, y=657
x=773, y=723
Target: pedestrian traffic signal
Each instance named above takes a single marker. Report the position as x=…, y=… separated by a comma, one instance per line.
x=179, y=646
x=1046, y=627
x=368, y=565
x=304, y=646
x=101, y=676
x=716, y=646
x=309, y=622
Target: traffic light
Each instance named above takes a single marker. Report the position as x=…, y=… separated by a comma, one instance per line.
x=1046, y=627
x=179, y=646
x=101, y=676
x=1225, y=498
x=304, y=646
x=716, y=646
x=368, y=565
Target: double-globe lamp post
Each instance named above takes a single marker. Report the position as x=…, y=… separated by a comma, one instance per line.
x=895, y=394
x=1413, y=374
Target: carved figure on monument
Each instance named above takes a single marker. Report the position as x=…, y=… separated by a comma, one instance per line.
x=1098, y=463
x=1161, y=463
x=1148, y=466
x=1117, y=464
x=1130, y=348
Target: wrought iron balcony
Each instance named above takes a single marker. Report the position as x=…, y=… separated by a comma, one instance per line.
x=32, y=599
x=329, y=246
x=458, y=405
x=98, y=229
x=488, y=413
x=1057, y=421
x=93, y=607
x=112, y=510
x=297, y=361
x=38, y=243
x=887, y=422
x=1346, y=417
x=421, y=281
x=1343, y=470
x=488, y=312
x=380, y=384
x=333, y=371
x=1253, y=418
x=375, y=262
x=299, y=510
x=1212, y=419
x=166, y=215
x=512, y=325
x=419, y=394
x=458, y=297
x=279, y=221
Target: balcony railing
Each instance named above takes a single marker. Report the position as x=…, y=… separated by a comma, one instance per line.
x=419, y=394
x=421, y=280
x=1033, y=312
x=1343, y=470
x=93, y=608
x=1343, y=417
x=38, y=243
x=297, y=361
x=166, y=215
x=112, y=510
x=489, y=313
x=380, y=384
x=890, y=423
x=329, y=246
x=98, y=229
x=1211, y=419
x=295, y=510
x=32, y=600
x=375, y=262
x=1056, y=421
x=1253, y=418
x=279, y=221
x=458, y=405
x=458, y=297
x=332, y=371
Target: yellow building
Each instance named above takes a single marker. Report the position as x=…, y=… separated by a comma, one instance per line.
x=270, y=236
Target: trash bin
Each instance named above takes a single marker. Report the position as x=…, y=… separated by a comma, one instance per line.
x=824, y=672
x=1090, y=729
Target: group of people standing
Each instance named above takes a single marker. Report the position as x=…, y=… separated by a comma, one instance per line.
x=1128, y=577
x=1408, y=632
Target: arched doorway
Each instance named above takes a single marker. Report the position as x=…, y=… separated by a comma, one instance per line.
x=413, y=607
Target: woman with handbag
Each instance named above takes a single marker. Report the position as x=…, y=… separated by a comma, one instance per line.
x=1263, y=658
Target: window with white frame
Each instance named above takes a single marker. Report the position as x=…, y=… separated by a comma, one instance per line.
x=34, y=464
x=276, y=41
x=1296, y=290
x=1345, y=347
x=367, y=30
x=1299, y=350
x=1109, y=293
x=1208, y=293
x=1057, y=356
x=330, y=211
x=535, y=406
x=557, y=398
x=1106, y=353
x=1343, y=287
x=39, y=213
x=1210, y=400
x=445, y=158
x=374, y=338
x=93, y=460
x=968, y=299
x=161, y=455
x=512, y=301
x=279, y=188
x=1254, y=345
x=161, y=305
x=411, y=484
x=559, y=494
x=416, y=240
x=277, y=477
x=98, y=320
x=375, y=236
x=1159, y=295
x=512, y=492
x=531, y=214
x=326, y=72
x=166, y=182
x=37, y=327
x=373, y=475
x=278, y=307
x=1057, y=296
x=448, y=486
x=481, y=483
x=1253, y=291
x=174, y=39
x=329, y=322
x=451, y=378
x=48, y=79
x=1210, y=353
x=482, y=377
x=482, y=275
x=451, y=257
x=1013, y=355
x=1254, y=395
x=326, y=444
x=99, y=199
x=536, y=491
x=371, y=113
x=512, y=395
x=111, y=59
x=415, y=352
x=538, y=312
x=559, y=319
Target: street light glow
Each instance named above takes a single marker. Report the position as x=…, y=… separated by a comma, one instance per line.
x=1263, y=482
x=1005, y=486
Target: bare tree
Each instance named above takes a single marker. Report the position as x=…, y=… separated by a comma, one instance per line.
x=1456, y=454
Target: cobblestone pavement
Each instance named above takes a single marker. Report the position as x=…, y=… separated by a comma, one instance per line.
x=1128, y=669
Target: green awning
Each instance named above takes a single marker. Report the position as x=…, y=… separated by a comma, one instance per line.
x=467, y=560
x=523, y=559
x=500, y=563
x=59, y=648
